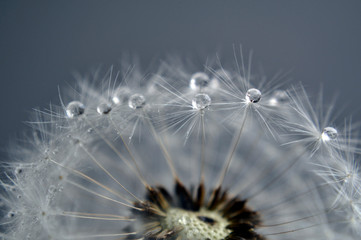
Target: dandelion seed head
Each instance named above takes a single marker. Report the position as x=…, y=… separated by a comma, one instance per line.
x=196, y=225
x=197, y=164
x=75, y=109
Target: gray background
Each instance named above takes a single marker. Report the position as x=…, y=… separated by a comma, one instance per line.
x=43, y=42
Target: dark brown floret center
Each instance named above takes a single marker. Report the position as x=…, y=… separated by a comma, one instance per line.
x=221, y=216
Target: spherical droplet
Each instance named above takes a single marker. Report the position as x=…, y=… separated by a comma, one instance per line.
x=121, y=95
x=253, y=95
x=11, y=214
x=279, y=96
x=201, y=101
x=136, y=101
x=104, y=108
x=199, y=81
x=329, y=133
x=18, y=170
x=75, y=109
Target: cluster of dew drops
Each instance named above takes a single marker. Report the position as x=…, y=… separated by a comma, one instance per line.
x=201, y=101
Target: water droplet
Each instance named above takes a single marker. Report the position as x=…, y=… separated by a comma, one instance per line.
x=11, y=214
x=199, y=81
x=329, y=133
x=136, y=101
x=279, y=96
x=201, y=101
x=18, y=170
x=121, y=95
x=253, y=95
x=75, y=109
x=52, y=189
x=104, y=108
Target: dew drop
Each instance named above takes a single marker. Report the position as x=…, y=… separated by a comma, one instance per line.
x=11, y=214
x=329, y=133
x=201, y=101
x=279, y=96
x=104, y=108
x=121, y=95
x=75, y=109
x=253, y=95
x=52, y=189
x=199, y=81
x=214, y=84
x=136, y=101
x=18, y=170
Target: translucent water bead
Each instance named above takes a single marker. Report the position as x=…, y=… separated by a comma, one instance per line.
x=279, y=96
x=253, y=95
x=74, y=109
x=199, y=81
x=136, y=101
x=329, y=133
x=121, y=95
x=104, y=108
x=201, y=101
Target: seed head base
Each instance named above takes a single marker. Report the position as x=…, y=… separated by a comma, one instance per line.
x=183, y=216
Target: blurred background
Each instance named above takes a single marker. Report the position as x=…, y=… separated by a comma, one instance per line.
x=42, y=43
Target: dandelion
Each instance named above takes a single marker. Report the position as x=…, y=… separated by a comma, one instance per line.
x=216, y=153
